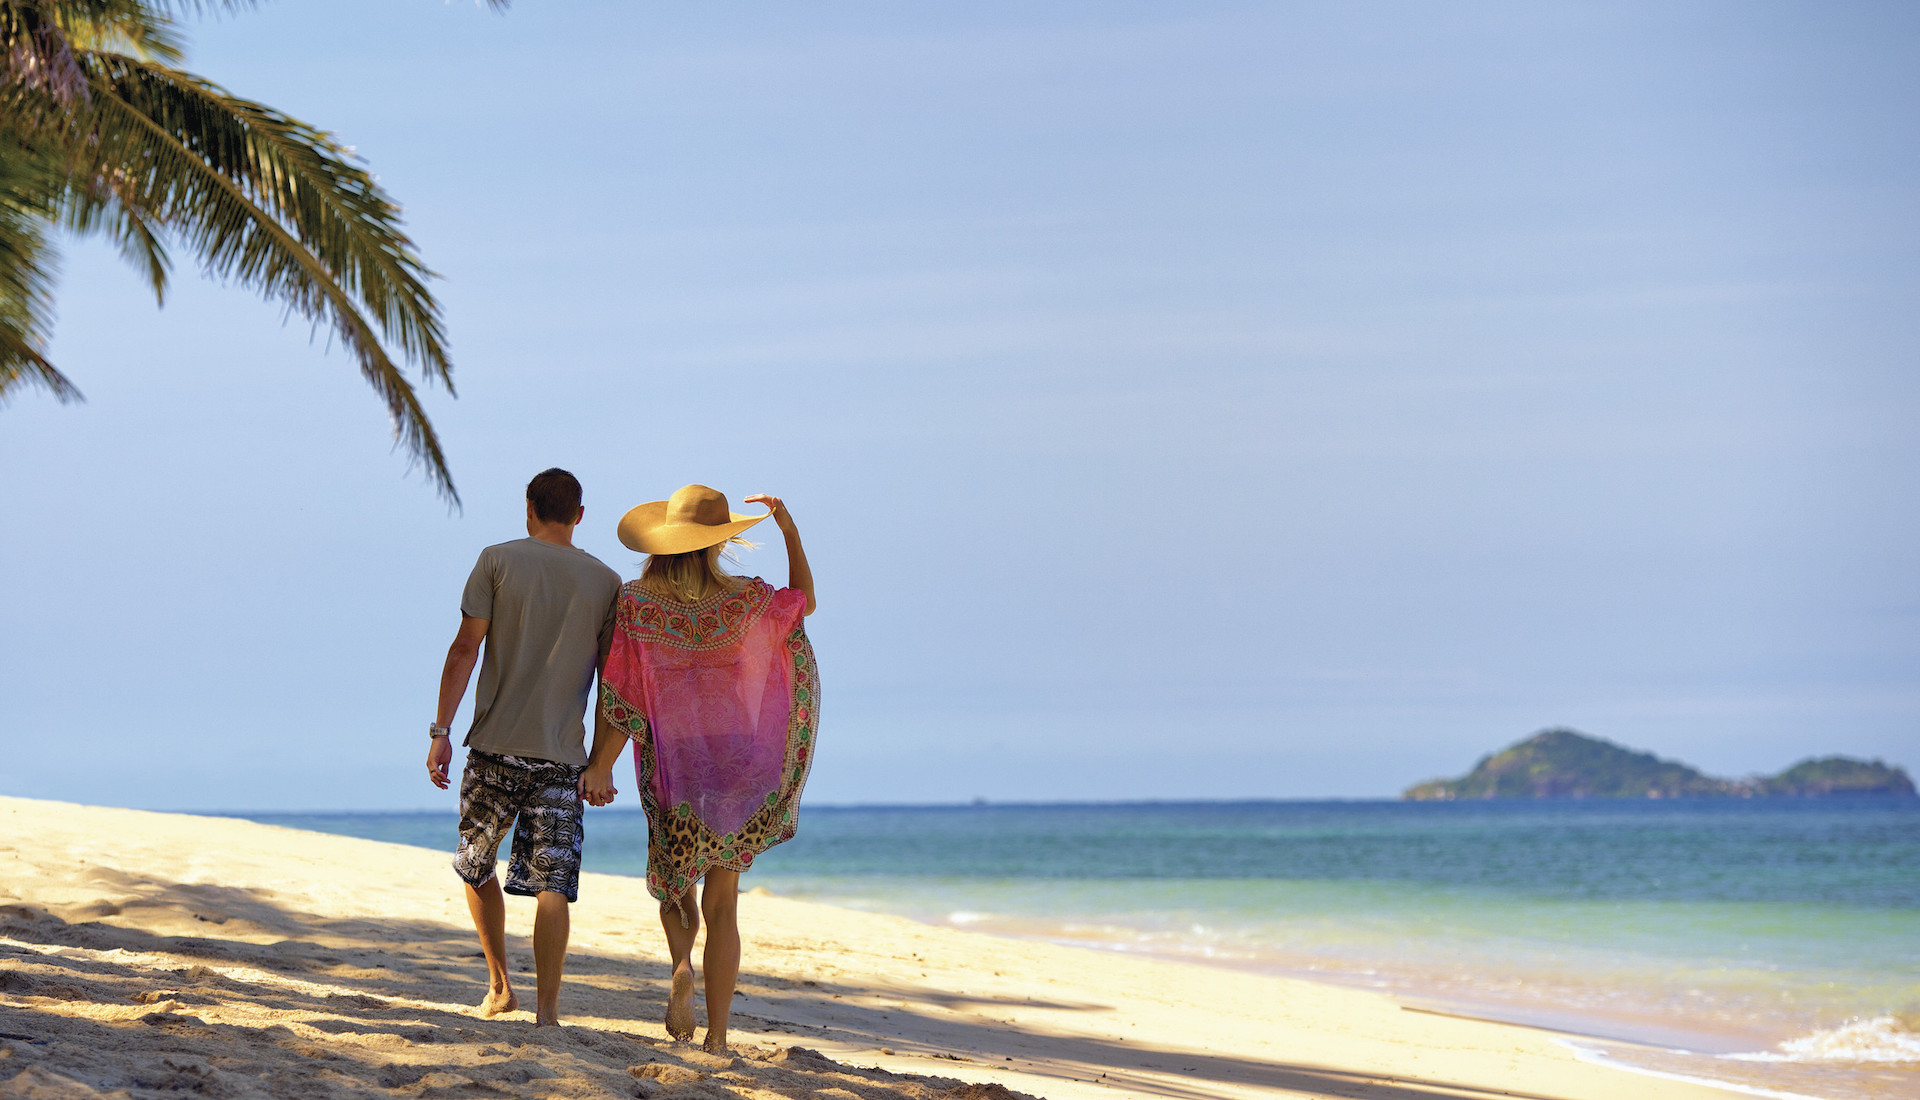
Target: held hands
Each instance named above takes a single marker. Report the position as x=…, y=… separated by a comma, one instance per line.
x=596, y=786
x=439, y=756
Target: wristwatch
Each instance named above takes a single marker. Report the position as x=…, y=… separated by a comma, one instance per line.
x=439, y=731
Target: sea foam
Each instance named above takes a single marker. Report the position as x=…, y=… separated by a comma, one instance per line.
x=1879, y=1039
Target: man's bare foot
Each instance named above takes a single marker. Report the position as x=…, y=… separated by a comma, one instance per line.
x=680, y=1004
x=496, y=1003
x=714, y=1044
x=546, y=1019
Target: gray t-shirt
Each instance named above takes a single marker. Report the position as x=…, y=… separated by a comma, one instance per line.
x=550, y=612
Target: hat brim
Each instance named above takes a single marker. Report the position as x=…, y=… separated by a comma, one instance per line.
x=645, y=528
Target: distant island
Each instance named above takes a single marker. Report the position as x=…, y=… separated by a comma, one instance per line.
x=1564, y=763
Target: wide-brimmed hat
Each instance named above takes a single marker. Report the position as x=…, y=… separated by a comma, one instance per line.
x=693, y=518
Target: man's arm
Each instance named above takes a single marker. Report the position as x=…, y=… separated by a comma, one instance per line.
x=462, y=655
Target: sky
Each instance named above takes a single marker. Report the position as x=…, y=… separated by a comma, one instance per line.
x=1200, y=400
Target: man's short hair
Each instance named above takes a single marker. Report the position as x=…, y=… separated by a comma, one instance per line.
x=555, y=496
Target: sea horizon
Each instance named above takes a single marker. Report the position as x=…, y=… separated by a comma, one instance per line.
x=631, y=804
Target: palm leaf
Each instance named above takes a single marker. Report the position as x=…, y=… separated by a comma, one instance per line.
x=29, y=182
x=93, y=206
x=167, y=166
x=305, y=180
x=21, y=362
x=35, y=52
x=122, y=26
x=158, y=173
x=121, y=144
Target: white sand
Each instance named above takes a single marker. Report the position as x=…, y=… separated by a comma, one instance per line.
x=147, y=954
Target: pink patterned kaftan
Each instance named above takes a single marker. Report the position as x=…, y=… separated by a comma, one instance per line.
x=722, y=700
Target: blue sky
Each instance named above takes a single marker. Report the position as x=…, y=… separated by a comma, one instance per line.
x=1198, y=400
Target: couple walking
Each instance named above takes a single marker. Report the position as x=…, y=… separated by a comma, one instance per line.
x=711, y=678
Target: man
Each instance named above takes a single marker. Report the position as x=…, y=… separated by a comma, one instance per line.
x=545, y=611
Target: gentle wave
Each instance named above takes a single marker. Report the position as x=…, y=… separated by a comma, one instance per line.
x=1881, y=1039
x=1591, y=1056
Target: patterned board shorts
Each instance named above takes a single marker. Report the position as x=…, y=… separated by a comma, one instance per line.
x=540, y=799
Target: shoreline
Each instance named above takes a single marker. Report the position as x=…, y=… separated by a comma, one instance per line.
x=1657, y=1049
x=262, y=949
x=1721, y=1030
x=1601, y=1058
x=1636, y=1029
x=1544, y=1011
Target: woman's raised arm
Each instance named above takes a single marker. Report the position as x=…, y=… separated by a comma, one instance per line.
x=798, y=574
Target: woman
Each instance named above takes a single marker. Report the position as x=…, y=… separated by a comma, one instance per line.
x=712, y=678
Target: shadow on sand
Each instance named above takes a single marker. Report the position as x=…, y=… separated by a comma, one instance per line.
x=254, y=999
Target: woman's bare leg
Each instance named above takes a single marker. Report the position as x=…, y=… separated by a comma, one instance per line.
x=720, y=902
x=682, y=924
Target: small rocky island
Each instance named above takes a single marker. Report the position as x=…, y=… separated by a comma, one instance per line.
x=1564, y=763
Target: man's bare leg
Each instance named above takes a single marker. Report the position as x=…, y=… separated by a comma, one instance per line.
x=720, y=903
x=489, y=909
x=552, y=920
x=682, y=924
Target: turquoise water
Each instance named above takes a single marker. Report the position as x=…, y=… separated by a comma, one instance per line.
x=1732, y=929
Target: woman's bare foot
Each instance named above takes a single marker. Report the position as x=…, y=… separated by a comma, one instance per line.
x=546, y=1019
x=680, y=1004
x=714, y=1044
x=498, y=1001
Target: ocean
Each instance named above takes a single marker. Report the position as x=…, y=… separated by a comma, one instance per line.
x=1772, y=944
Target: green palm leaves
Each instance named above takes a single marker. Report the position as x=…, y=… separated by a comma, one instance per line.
x=99, y=133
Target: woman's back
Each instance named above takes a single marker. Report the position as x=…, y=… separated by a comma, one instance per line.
x=717, y=685
x=722, y=698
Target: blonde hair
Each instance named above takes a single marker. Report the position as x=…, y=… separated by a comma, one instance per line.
x=694, y=575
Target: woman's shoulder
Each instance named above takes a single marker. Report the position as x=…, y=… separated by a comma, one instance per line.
x=784, y=602
x=638, y=591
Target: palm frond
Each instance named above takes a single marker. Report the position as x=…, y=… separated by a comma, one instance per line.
x=92, y=206
x=123, y=26
x=305, y=180
x=29, y=182
x=21, y=363
x=133, y=27
x=36, y=54
x=118, y=142
x=184, y=159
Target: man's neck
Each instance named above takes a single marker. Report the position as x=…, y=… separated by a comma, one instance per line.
x=559, y=534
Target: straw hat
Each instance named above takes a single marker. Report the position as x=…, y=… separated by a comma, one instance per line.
x=693, y=518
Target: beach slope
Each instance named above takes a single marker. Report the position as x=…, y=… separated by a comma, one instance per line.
x=146, y=954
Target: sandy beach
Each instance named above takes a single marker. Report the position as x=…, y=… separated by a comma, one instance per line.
x=146, y=954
